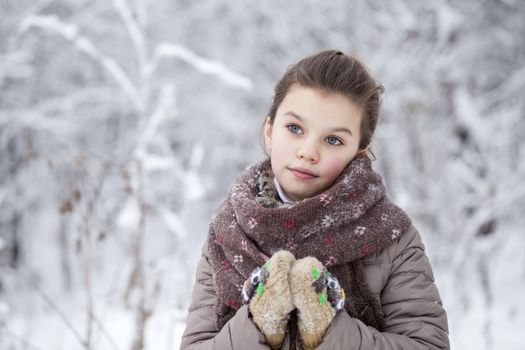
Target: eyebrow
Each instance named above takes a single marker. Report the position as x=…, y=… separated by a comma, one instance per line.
x=295, y=115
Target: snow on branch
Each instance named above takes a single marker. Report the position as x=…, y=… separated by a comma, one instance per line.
x=35, y=120
x=173, y=221
x=470, y=116
x=201, y=64
x=514, y=84
x=83, y=44
x=14, y=65
x=166, y=102
x=152, y=162
x=132, y=26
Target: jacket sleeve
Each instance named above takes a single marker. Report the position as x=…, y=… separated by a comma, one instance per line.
x=412, y=308
x=201, y=334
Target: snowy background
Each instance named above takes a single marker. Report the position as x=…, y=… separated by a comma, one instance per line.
x=123, y=122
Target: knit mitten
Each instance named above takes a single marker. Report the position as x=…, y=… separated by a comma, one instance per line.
x=268, y=292
x=317, y=296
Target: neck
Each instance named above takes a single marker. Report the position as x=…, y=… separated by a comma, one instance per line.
x=281, y=193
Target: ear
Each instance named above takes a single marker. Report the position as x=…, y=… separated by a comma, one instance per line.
x=268, y=127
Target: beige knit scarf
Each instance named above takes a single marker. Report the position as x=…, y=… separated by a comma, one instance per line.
x=350, y=220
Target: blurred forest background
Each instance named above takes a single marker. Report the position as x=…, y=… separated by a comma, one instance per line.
x=123, y=123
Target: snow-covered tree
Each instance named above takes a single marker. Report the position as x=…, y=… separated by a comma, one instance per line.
x=123, y=122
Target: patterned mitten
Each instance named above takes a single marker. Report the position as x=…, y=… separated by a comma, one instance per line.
x=317, y=296
x=268, y=292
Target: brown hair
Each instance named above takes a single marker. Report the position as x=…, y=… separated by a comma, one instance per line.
x=332, y=71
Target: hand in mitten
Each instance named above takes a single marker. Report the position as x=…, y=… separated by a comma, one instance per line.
x=317, y=296
x=268, y=292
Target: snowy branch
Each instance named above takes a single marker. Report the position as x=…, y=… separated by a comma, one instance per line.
x=201, y=64
x=166, y=102
x=514, y=84
x=173, y=221
x=83, y=44
x=135, y=32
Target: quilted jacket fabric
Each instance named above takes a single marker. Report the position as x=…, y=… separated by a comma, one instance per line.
x=400, y=276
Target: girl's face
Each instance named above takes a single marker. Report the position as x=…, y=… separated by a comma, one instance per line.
x=313, y=138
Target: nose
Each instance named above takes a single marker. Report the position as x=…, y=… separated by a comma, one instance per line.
x=308, y=151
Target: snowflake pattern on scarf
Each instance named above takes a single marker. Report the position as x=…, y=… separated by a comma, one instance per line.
x=350, y=220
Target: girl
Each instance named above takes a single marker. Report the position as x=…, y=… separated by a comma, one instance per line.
x=308, y=240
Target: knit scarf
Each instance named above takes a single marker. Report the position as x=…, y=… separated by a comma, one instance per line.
x=349, y=221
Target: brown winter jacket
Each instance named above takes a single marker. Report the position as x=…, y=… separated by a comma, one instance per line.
x=400, y=276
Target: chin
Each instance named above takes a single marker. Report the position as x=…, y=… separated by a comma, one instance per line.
x=300, y=196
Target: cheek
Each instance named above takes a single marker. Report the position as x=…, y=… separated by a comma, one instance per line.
x=334, y=168
x=278, y=156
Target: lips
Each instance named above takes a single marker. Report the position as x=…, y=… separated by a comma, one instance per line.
x=303, y=173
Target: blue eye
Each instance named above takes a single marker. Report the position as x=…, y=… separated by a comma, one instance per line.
x=294, y=128
x=333, y=141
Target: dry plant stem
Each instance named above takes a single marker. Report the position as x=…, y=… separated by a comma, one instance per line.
x=51, y=304
x=27, y=345
x=61, y=315
x=137, y=276
x=87, y=242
